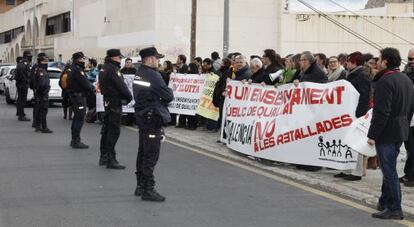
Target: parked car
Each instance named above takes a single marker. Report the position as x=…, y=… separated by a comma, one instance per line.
x=3, y=68
x=55, y=93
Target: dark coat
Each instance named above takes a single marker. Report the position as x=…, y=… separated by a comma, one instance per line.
x=111, y=82
x=393, y=102
x=153, y=99
x=184, y=69
x=272, y=68
x=22, y=73
x=42, y=82
x=314, y=74
x=243, y=74
x=359, y=79
x=258, y=77
x=77, y=81
x=218, y=98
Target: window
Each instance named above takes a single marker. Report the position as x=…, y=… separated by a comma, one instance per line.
x=10, y=2
x=58, y=24
x=8, y=36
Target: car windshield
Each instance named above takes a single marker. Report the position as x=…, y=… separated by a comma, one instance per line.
x=54, y=74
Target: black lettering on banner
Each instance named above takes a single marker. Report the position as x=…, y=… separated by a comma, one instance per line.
x=238, y=132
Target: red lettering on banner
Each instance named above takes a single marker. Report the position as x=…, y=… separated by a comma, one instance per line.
x=264, y=136
x=319, y=128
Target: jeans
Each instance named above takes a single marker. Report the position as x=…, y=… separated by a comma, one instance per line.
x=391, y=190
x=409, y=164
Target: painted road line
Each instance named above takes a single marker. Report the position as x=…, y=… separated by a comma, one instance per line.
x=282, y=180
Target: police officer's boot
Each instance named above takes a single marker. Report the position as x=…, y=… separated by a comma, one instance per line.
x=79, y=145
x=103, y=159
x=152, y=195
x=46, y=130
x=112, y=163
x=139, y=189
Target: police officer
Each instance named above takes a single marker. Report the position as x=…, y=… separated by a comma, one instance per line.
x=78, y=87
x=22, y=84
x=41, y=84
x=116, y=93
x=151, y=111
x=31, y=85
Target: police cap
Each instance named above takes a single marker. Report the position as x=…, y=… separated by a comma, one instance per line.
x=150, y=51
x=77, y=56
x=114, y=53
x=27, y=54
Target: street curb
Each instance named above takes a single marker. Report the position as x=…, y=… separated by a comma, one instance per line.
x=330, y=187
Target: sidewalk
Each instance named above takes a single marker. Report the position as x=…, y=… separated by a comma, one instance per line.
x=366, y=191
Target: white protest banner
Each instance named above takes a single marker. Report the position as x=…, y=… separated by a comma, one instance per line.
x=303, y=125
x=129, y=108
x=187, y=90
x=357, y=138
x=206, y=107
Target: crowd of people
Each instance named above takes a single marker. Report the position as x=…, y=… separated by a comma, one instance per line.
x=377, y=79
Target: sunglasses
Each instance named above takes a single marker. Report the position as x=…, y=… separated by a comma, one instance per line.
x=410, y=59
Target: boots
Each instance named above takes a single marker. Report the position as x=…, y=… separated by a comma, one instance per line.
x=139, y=189
x=103, y=159
x=112, y=163
x=152, y=195
x=78, y=145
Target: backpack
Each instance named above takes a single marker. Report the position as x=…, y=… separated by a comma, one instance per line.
x=63, y=82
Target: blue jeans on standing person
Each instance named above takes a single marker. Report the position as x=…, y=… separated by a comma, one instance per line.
x=391, y=190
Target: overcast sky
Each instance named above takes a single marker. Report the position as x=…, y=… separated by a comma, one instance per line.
x=326, y=5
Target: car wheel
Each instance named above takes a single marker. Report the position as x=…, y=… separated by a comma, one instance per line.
x=8, y=99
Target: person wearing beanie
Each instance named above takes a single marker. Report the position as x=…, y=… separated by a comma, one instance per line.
x=41, y=84
x=78, y=87
x=22, y=84
x=115, y=94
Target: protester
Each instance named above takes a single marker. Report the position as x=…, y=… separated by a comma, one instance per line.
x=342, y=59
x=198, y=61
x=167, y=69
x=182, y=67
x=63, y=84
x=256, y=66
x=310, y=72
x=290, y=68
x=215, y=57
x=242, y=70
x=335, y=70
x=93, y=70
x=211, y=125
x=393, y=100
x=272, y=63
x=360, y=80
x=129, y=67
x=408, y=178
x=321, y=61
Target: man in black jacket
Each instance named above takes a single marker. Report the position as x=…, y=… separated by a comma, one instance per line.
x=41, y=86
x=408, y=178
x=272, y=63
x=393, y=100
x=311, y=72
x=22, y=84
x=256, y=66
x=78, y=87
x=129, y=67
x=151, y=96
x=115, y=93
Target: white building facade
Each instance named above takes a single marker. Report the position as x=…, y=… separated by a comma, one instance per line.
x=255, y=25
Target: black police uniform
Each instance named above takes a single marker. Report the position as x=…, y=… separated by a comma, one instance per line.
x=132, y=70
x=115, y=93
x=31, y=86
x=22, y=77
x=41, y=86
x=78, y=86
x=151, y=112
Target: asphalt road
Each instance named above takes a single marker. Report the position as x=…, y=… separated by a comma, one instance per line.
x=43, y=182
